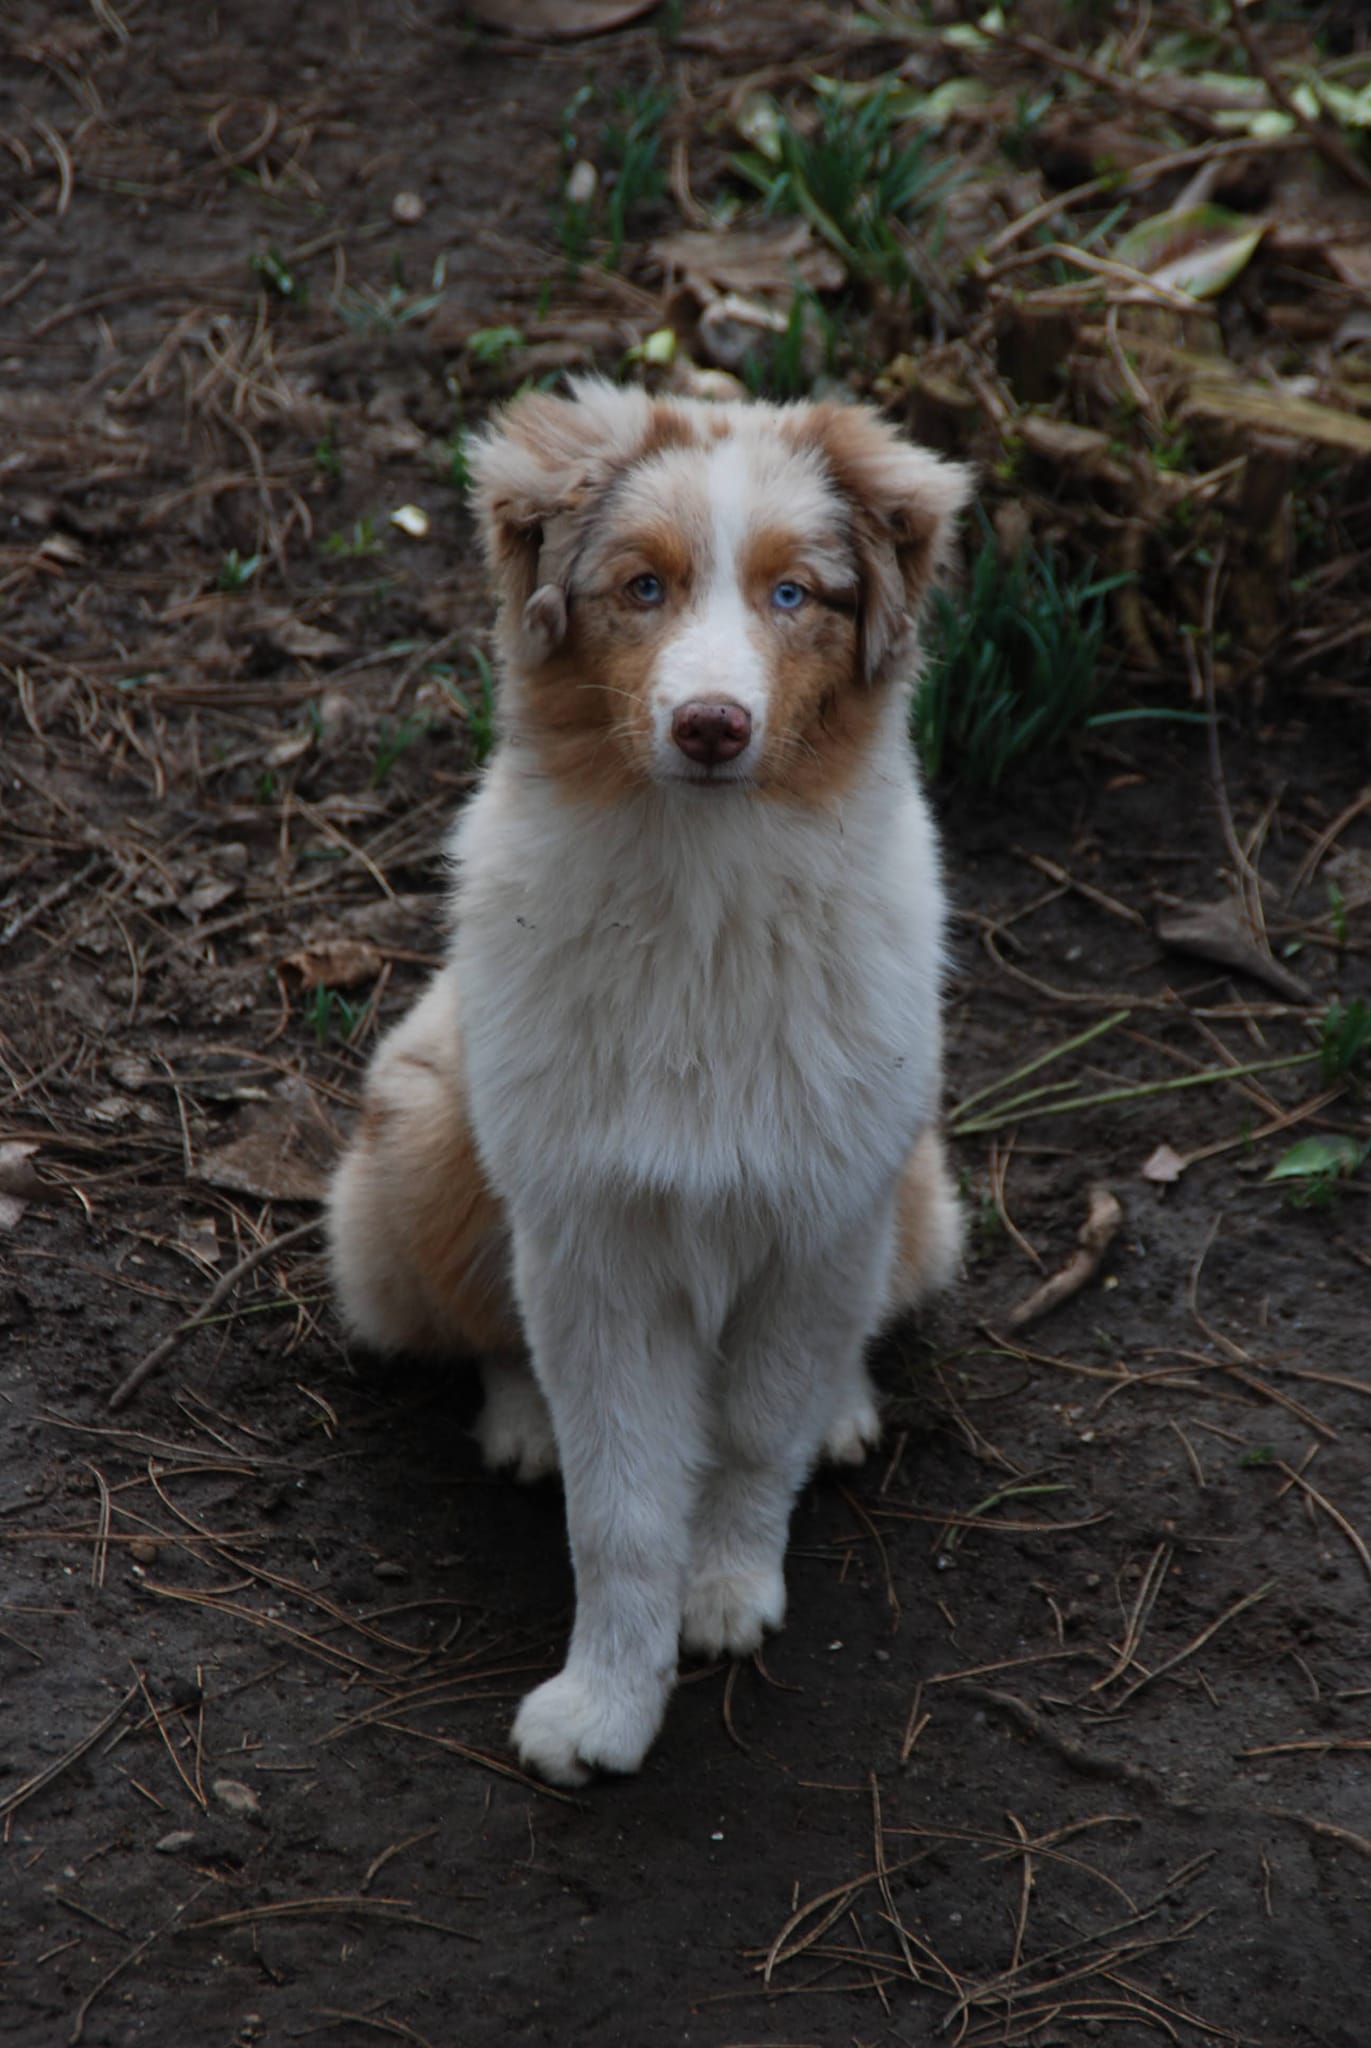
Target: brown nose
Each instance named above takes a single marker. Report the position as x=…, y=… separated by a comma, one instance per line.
x=711, y=733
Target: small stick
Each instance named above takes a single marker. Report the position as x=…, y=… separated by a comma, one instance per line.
x=78, y=2030
x=1025, y=1893
x=14, y=1800
x=908, y=1942
x=1094, y=1238
x=1328, y=1829
x=182, y=1773
x=1152, y=1582
x=1319, y=1744
x=1334, y=1514
x=1198, y=1643
x=1191, y=1453
x=22, y=919
x=99, y=1557
x=128, y=1387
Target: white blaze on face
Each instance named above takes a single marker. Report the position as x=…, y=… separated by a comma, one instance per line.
x=715, y=655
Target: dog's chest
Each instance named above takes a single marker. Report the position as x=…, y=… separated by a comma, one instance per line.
x=712, y=1012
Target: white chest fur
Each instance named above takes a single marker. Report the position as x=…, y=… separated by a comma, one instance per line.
x=702, y=996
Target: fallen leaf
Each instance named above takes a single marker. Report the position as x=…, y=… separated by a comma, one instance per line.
x=760, y=121
x=295, y=636
x=1314, y=1158
x=282, y=753
x=1195, y=249
x=236, y=1798
x=199, y=1236
x=1163, y=1165
x=279, y=1151
x=206, y=895
x=335, y=963
x=1219, y=932
x=120, y=1109
x=19, y=1183
x=731, y=328
x=557, y=21
x=766, y=259
x=58, y=548
x=411, y=519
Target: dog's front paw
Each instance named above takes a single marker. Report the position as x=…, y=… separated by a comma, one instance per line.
x=514, y=1429
x=573, y=1726
x=728, y=1613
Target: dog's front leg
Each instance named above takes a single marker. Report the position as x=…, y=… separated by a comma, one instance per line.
x=795, y=1348
x=623, y=1382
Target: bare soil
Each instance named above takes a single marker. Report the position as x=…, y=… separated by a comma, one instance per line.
x=1067, y=1738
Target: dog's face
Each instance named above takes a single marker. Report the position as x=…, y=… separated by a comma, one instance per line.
x=715, y=597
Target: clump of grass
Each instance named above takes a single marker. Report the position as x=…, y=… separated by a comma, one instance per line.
x=457, y=467
x=327, y=1010
x=269, y=266
x=1013, y=663
x=328, y=456
x=489, y=346
x=365, y=310
x=627, y=172
x=392, y=740
x=476, y=702
x=856, y=178
x=783, y=365
x=1344, y=1039
x=236, y=571
x=352, y=546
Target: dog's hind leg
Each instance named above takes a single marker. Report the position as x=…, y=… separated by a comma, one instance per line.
x=514, y=1428
x=928, y=1228
x=418, y=1242
x=928, y=1246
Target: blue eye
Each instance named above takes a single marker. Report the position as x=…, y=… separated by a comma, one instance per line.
x=788, y=597
x=647, y=590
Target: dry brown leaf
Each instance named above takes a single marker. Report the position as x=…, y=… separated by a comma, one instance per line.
x=237, y=1798
x=1218, y=932
x=335, y=963
x=19, y=1184
x=1162, y=1165
x=557, y=21
x=306, y=642
x=280, y=1151
x=768, y=259
x=206, y=896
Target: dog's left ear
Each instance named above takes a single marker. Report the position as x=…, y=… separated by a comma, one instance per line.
x=539, y=469
x=905, y=503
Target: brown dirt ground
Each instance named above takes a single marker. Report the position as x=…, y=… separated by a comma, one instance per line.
x=1067, y=1738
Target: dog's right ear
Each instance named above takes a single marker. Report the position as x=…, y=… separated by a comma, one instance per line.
x=539, y=470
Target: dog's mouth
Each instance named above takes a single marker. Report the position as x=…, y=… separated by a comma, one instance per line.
x=728, y=775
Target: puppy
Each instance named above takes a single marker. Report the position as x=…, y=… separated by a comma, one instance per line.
x=659, y=1143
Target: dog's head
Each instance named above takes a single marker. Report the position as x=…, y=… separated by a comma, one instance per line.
x=716, y=595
